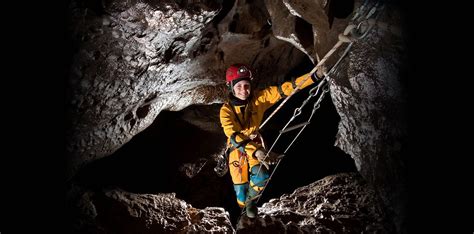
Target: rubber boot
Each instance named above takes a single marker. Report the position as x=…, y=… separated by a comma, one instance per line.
x=251, y=205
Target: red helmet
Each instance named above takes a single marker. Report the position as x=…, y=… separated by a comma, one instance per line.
x=237, y=72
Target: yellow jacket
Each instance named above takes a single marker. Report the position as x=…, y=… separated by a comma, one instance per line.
x=239, y=136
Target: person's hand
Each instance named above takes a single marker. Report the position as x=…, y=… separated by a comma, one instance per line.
x=318, y=75
x=321, y=71
x=271, y=159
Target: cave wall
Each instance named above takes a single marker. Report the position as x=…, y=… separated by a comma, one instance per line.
x=369, y=92
x=340, y=203
x=133, y=59
x=119, y=211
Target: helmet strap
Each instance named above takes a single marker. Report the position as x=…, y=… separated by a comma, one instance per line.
x=230, y=87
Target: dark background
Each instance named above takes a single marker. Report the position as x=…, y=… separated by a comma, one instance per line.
x=36, y=60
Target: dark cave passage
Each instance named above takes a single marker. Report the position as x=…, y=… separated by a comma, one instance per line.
x=151, y=161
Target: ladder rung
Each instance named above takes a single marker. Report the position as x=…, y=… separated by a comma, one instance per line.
x=295, y=127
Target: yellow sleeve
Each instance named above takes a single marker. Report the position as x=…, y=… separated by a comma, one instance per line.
x=272, y=95
x=232, y=130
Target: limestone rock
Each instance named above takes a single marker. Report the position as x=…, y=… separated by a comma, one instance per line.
x=118, y=211
x=342, y=203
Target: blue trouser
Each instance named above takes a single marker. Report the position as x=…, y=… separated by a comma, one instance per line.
x=257, y=183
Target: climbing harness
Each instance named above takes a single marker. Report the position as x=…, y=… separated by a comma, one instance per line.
x=221, y=167
x=356, y=30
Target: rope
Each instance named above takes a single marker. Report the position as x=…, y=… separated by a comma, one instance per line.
x=343, y=38
x=297, y=111
x=351, y=34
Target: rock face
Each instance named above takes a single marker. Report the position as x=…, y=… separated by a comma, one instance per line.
x=342, y=203
x=133, y=59
x=130, y=62
x=117, y=211
x=370, y=97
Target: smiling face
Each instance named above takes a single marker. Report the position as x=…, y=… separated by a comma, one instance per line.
x=242, y=89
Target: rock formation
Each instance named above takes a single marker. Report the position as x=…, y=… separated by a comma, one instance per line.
x=132, y=60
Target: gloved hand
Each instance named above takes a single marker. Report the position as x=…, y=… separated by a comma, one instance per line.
x=319, y=74
x=271, y=159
